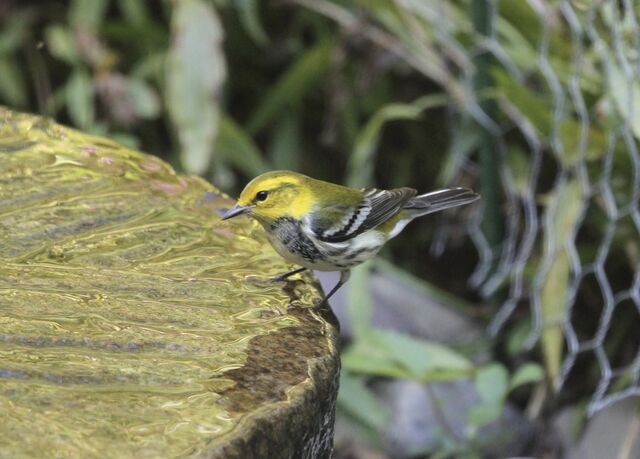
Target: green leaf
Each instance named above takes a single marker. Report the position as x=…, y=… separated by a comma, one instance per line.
x=467, y=139
x=527, y=374
x=14, y=30
x=284, y=150
x=12, y=83
x=79, y=98
x=521, y=51
x=135, y=11
x=237, y=148
x=524, y=18
x=151, y=66
x=492, y=383
x=409, y=25
x=595, y=147
x=359, y=301
x=250, y=19
x=481, y=415
x=554, y=298
x=386, y=353
x=87, y=13
x=361, y=359
x=519, y=165
x=195, y=72
x=357, y=400
x=362, y=160
x=564, y=208
x=297, y=81
x=61, y=44
x=144, y=99
x=517, y=338
x=625, y=92
x=537, y=108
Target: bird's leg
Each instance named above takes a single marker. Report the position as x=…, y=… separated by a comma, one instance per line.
x=284, y=276
x=344, y=277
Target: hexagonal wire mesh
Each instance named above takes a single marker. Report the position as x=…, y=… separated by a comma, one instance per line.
x=566, y=124
x=554, y=86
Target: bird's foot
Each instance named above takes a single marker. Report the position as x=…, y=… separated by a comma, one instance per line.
x=284, y=276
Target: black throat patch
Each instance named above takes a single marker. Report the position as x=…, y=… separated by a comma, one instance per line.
x=289, y=232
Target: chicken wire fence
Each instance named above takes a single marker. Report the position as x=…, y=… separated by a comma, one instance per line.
x=548, y=93
x=561, y=111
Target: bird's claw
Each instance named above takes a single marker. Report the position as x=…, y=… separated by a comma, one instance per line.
x=278, y=278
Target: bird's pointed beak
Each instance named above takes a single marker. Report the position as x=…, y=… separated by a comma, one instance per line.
x=235, y=211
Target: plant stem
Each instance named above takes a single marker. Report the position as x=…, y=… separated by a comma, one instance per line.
x=483, y=22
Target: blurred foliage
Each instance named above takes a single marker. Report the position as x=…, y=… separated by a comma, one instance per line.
x=202, y=84
x=359, y=92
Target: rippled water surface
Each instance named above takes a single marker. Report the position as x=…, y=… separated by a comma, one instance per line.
x=124, y=301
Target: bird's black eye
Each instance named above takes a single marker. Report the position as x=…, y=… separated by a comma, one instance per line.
x=262, y=195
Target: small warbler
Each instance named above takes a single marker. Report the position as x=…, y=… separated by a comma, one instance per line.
x=328, y=227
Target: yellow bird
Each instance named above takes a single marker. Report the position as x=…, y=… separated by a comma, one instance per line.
x=328, y=227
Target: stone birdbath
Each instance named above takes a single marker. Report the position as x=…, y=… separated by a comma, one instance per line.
x=131, y=324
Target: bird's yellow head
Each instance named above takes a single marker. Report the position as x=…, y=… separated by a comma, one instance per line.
x=273, y=195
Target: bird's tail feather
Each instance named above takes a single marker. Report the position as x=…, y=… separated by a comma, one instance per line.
x=440, y=200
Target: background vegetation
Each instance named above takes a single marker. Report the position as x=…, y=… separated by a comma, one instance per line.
x=386, y=93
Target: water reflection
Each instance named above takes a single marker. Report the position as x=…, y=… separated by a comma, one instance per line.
x=124, y=303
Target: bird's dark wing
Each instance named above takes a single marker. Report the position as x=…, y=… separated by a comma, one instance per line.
x=340, y=223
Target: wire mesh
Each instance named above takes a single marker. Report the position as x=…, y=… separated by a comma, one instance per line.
x=561, y=108
x=572, y=227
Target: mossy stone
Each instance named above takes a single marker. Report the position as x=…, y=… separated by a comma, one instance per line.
x=131, y=324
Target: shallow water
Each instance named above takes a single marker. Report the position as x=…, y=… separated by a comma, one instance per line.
x=125, y=310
